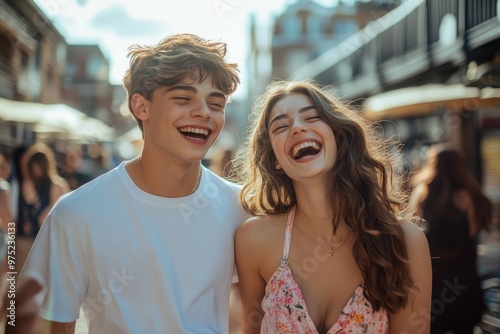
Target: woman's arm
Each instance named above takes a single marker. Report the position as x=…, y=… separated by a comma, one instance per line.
x=415, y=316
x=248, y=252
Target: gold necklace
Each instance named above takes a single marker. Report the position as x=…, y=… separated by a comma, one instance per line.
x=197, y=183
x=325, y=244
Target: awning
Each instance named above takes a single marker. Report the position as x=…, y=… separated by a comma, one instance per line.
x=55, y=118
x=423, y=100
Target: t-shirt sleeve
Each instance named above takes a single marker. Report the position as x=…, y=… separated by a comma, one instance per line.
x=58, y=263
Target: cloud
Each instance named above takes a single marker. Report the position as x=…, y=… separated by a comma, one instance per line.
x=117, y=20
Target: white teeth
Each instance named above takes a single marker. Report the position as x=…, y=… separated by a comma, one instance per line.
x=194, y=130
x=305, y=144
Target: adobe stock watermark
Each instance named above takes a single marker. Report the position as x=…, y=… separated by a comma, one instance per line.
x=374, y=28
x=419, y=319
x=222, y=7
x=53, y=7
x=201, y=199
x=116, y=284
x=252, y=321
x=311, y=263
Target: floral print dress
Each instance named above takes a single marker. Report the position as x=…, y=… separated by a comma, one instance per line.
x=285, y=310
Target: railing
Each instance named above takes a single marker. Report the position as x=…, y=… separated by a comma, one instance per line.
x=392, y=35
x=436, y=10
x=479, y=11
x=413, y=26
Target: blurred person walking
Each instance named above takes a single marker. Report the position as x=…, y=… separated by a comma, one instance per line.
x=16, y=179
x=71, y=168
x=221, y=162
x=40, y=189
x=447, y=195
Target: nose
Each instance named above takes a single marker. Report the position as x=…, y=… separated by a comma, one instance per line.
x=201, y=110
x=298, y=126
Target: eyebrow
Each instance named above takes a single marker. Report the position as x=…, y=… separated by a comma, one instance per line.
x=284, y=115
x=193, y=90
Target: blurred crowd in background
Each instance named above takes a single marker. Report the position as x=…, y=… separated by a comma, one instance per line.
x=428, y=71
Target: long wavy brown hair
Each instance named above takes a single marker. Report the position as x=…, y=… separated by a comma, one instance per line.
x=365, y=189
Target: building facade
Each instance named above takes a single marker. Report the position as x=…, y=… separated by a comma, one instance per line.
x=32, y=53
x=307, y=29
x=428, y=71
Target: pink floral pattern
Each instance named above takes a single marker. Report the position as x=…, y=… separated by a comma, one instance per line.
x=286, y=311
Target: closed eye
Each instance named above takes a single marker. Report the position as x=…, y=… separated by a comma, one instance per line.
x=279, y=127
x=182, y=98
x=217, y=106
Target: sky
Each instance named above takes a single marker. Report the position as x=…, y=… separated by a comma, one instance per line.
x=117, y=24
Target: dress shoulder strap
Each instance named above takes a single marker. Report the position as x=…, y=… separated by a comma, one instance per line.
x=288, y=236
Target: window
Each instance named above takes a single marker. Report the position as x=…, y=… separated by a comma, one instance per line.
x=94, y=65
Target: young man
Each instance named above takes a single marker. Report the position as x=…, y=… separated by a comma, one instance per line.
x=148, y=247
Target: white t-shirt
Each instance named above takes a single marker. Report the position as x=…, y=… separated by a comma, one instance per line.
x=139, y=263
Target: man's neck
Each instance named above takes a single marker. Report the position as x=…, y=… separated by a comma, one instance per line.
x=165, y=179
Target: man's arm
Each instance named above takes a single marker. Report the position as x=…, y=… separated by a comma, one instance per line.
x=52, y=327
x=56, y=247
x=25, y=320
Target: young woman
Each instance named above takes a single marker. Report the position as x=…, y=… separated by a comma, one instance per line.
x=450, y=199
x=40, y=189
x=329, y=249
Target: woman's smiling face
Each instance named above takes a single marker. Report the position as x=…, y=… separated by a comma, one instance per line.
x=303, y=143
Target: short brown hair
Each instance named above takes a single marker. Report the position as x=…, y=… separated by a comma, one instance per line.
x=174, y=58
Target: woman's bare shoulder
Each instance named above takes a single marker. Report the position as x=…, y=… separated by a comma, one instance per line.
x=414, y=235
x=262, y=224
x=260, y=229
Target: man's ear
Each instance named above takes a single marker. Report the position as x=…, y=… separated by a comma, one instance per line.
x=140, y=107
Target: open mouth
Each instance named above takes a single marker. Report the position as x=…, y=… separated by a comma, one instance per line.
x=194, y=133
x=305, y=149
